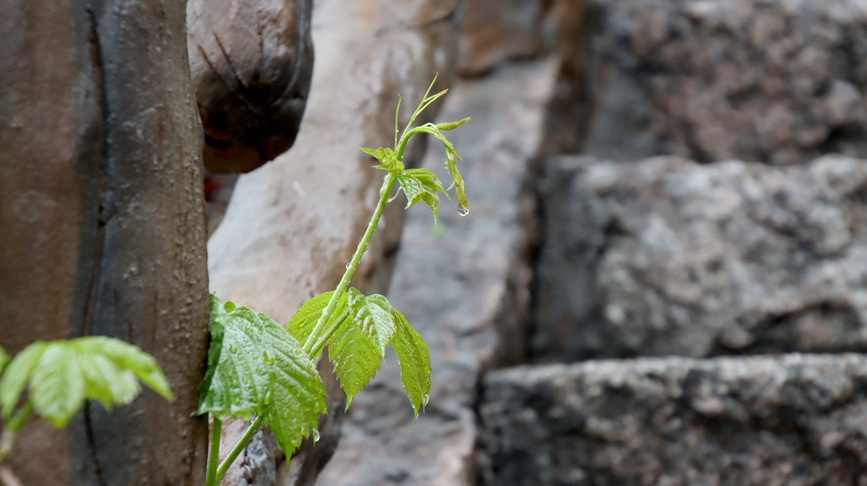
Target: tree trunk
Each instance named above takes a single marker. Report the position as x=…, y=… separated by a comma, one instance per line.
x=102, y=219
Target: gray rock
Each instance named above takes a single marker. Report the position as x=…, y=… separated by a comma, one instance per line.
x=776, y=81
x=495, y=31
x=764, y=421
x=665, y=256
x=464, y=285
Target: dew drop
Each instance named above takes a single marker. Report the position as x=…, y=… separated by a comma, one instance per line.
x=348, y=264
x=315, y=436
x=462, y=211
x=232, y=349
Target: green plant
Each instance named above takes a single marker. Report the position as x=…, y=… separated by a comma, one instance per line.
x=256, y=368
x=61, y=375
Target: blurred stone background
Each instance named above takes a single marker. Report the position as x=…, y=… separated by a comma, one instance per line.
x=661, y=280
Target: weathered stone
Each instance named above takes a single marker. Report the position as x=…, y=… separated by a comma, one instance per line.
x=496, y=30
x=776, y=81
x=761, y=421
x=665, y=256
x=292, y=224
x=463, y=284
x=102, y=225
x=251, y=62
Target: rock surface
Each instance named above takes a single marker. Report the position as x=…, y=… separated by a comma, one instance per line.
x=462, y=284
x=777, y=81
x=292, y=224
x=665, y=256
x=495, y=31
x=251, y=62
x=761, y=421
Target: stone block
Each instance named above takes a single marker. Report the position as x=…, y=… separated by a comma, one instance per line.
x=761, y=421
x=668, y=257
x=775, y=81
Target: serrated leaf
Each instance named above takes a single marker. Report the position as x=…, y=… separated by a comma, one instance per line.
x=373, y=314
x=297, y=394
x=261, y=369
x=452, y=125
x=304, y=321
x=414, y=358
x=424, y=186
x=413, y=188
x=356, y=358
x=57, y=385
x=16, y=376
x=386, y=157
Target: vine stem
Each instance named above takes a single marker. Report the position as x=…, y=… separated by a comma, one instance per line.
x=384, y=191
x=242, y=443
x=214, y=453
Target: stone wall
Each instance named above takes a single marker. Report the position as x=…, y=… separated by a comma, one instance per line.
x=705, y=216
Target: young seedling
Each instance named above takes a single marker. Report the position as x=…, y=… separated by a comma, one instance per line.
x=262, y=371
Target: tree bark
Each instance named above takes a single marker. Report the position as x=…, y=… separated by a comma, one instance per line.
x=102, y=219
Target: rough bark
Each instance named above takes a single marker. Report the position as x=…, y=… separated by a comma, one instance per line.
x=251, y=64
x=103, y=227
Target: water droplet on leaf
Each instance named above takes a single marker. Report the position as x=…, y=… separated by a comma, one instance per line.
x=315, y=436
x=348, y=264
x=462, y=211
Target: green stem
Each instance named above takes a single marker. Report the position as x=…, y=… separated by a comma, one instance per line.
x=7, y=439
x=214, y=453
x=242, y=443
x=384, y=191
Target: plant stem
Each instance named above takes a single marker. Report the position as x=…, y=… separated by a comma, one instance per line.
x=384, y=191
x=12, y=428
x=242, y=443
x=214, y=453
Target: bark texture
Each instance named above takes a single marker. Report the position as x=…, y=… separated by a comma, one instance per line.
x=103, y=226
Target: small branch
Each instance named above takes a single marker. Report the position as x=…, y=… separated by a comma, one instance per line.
x=242, y=443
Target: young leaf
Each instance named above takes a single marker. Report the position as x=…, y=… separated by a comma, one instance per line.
x=412, y=187
x=129, y=358
x=460, y=190
x=296, y=400
x=57, y=384
x=304, y=321
x=414, y=358
x=255, y=366
x=372, y=313
x=16, y=376
x=452, y=125
x=424, y=185
x=61, y=375
x=386, y=157
x=356, y=358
